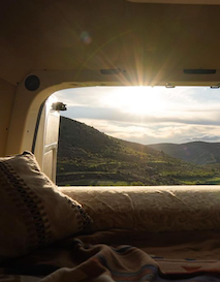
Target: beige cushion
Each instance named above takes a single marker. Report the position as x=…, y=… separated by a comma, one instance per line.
x=33, y=213
x=153, y=209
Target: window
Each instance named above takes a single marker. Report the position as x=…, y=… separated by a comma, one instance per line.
x=139, y=136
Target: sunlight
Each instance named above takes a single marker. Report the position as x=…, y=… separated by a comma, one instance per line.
x=140, y=100
x=189, y=113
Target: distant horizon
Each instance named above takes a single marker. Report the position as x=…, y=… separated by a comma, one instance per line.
x=151, y=144
x=147, y=115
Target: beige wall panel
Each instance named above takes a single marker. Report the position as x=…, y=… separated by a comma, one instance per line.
x=52, y=128
x=47, y=166
x=7, y=92
x=47, y=139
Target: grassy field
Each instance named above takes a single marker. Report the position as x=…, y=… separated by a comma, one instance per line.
x=100, y=178
x=88, y=157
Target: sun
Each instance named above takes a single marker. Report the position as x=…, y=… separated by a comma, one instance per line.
x=141, y=100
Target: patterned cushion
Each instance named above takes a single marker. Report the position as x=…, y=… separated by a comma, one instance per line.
x=33, y=213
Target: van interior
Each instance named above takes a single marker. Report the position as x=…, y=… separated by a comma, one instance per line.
x=73, y=233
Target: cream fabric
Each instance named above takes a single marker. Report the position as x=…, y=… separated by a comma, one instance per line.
x=153, y=209
x=33, y=212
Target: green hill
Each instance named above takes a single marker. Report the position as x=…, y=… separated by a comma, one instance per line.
x=89, y=157
x=200, y=153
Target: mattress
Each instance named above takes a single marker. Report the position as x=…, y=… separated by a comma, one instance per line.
x=139, y=234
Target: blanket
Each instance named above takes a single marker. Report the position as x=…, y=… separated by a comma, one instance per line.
x=102, y=257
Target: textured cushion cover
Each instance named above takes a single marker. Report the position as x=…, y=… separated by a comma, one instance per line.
x=153, y=209
x=33, y=213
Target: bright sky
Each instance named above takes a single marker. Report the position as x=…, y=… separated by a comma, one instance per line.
x=147, y=115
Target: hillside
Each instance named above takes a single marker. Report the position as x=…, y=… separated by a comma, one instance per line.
x=200, y=153
x=89, y=157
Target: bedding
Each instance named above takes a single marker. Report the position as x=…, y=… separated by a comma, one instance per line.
x=122, y=255
x=138, y=233
x=33, y=212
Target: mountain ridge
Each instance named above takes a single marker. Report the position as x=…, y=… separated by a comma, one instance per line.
x=197, y=152
x=87, y=156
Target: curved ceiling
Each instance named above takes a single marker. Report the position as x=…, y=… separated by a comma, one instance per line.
x=141, y=39
x=200, y=2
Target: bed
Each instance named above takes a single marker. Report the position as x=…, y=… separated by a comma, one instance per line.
x=107, y=233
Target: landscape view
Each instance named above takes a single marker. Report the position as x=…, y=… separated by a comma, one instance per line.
x=116, y=136
x=88, y=157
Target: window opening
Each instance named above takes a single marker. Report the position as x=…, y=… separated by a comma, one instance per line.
x=139, y=136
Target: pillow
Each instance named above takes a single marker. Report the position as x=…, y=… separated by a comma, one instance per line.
x=33, y=212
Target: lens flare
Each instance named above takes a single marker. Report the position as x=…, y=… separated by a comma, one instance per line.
x=85, y=37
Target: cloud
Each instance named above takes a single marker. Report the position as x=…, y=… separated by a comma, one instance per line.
x=152, y=116
x=180, y=97
x=209, y=117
